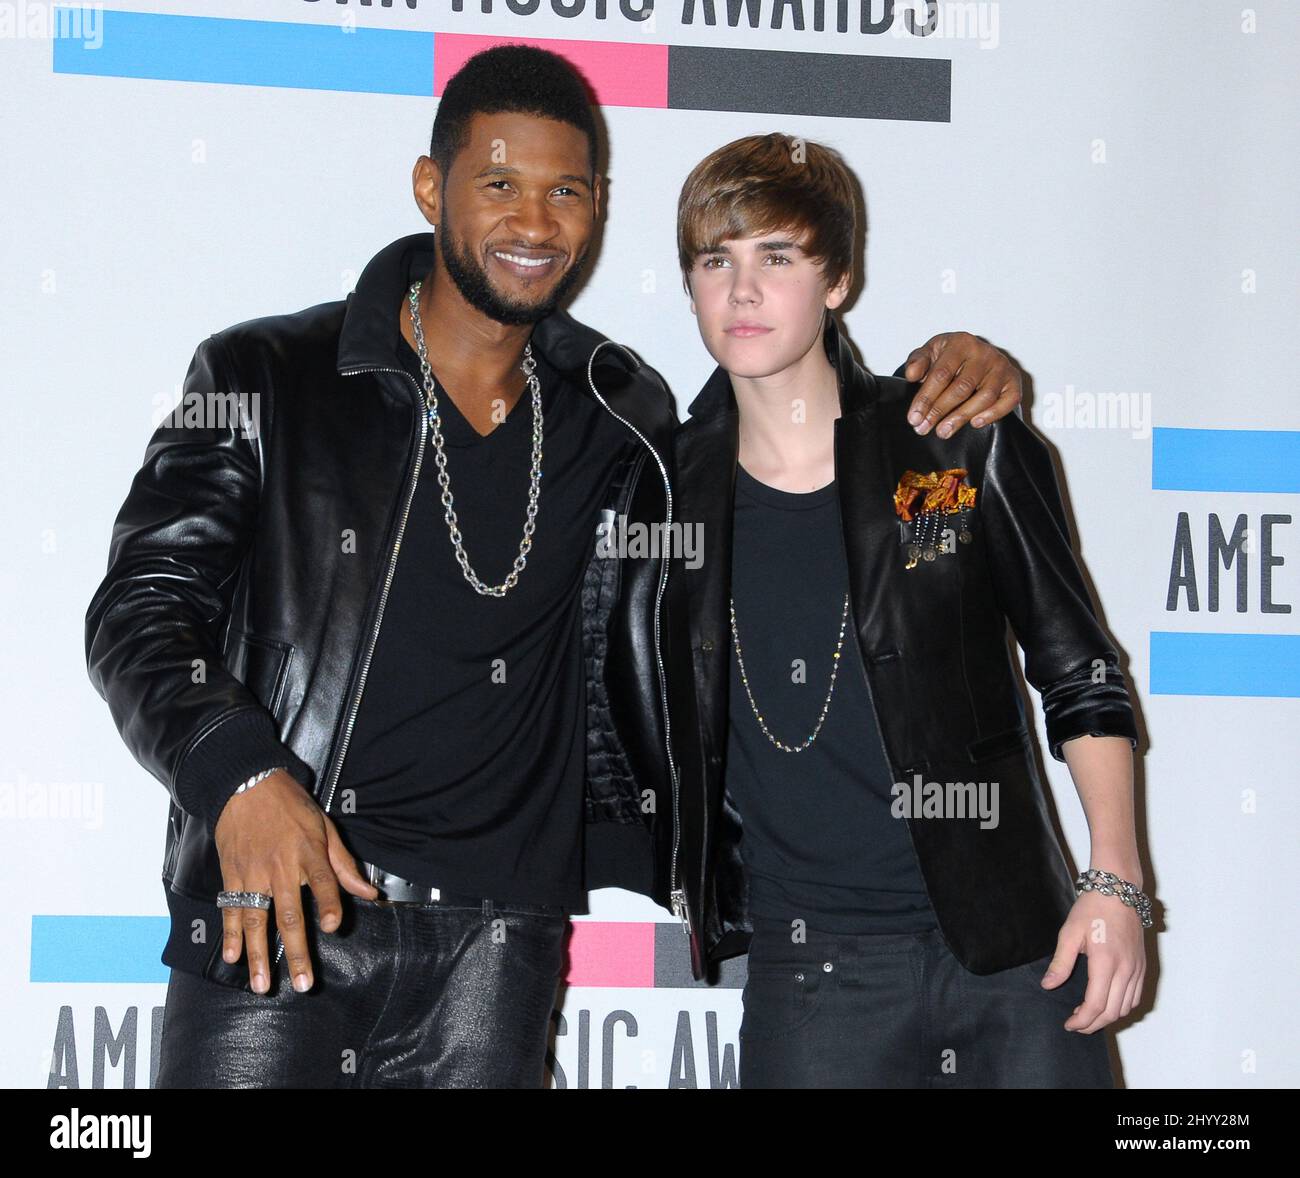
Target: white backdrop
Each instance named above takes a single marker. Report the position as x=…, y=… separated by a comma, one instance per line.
x=1112, y=199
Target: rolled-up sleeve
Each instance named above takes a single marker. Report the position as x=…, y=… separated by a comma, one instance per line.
x=1069, y=659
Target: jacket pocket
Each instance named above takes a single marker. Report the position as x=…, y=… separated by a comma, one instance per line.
x=998, y=744
x=262, y=665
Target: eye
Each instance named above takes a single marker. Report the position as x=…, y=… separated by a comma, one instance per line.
x=707, y=264
x=565, y=188
x=785, y=261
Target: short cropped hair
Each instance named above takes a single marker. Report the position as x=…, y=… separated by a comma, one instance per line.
x=514, y=79
x=763, y=183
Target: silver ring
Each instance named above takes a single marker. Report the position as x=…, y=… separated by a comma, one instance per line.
x=243, y=900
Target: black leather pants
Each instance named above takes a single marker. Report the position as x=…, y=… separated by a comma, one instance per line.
x=404, y=996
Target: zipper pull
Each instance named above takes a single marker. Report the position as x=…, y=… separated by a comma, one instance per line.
x=680, y=909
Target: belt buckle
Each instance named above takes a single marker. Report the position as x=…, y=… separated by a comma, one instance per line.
x=386, y=881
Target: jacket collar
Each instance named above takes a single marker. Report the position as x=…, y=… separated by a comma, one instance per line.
x=857, y=386
x=370, y=334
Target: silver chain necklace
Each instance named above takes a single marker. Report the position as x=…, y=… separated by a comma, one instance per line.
x=744, y=678
x=528, y=364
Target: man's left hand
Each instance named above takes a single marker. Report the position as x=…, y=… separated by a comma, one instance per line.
x=964, y=378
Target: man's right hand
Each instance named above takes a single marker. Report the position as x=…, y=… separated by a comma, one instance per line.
x=273, y=838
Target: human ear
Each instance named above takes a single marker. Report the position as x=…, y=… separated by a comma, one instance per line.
x=426, y=185
x=839, y=292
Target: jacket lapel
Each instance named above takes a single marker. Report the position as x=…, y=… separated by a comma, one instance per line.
x=870, y=533
x=706, y=488
x=866, y=496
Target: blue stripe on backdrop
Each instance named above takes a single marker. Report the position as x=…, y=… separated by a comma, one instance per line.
x=251, y=53
x=1256, y=460
x=98, y=948
x=1225, y=664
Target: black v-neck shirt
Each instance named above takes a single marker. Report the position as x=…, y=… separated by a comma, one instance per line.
x=818, y=842
x=467, y=760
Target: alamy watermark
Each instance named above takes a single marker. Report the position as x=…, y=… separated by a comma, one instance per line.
x=211, y=410
x=120, y=1131
x=29, y=20
x=949, y=20
x=616, y=538
x=1073, y=409
x=948, y=799
x=58, y=801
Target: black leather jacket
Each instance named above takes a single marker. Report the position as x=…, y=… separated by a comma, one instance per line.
x=933, y=641
x=247, y=577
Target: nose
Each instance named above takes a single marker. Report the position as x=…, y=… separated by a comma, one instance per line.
x=744, y=286
x=532, y=219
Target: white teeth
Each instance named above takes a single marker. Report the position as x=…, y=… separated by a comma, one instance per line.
x=524, y=261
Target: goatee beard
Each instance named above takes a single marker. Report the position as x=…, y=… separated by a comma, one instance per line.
x=472, y=281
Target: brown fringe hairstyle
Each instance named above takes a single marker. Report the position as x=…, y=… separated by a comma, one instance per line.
x=762, y=183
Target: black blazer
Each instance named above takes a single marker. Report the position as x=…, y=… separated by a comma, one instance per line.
x=933, y=640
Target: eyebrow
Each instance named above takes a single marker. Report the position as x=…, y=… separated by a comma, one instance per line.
x=503, y=170
x=774, y=244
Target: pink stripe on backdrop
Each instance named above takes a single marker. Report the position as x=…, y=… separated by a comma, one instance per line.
x=620, y=74
x=611, y=953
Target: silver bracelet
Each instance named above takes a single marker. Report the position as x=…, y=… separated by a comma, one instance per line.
x=1108, y=884
x=252, y=781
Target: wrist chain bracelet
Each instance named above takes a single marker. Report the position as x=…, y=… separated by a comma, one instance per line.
x=1108, y=884
x=252, y=781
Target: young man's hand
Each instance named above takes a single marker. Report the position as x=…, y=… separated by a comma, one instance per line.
x=963, y=377
x=1110, y=933
x=273, y=838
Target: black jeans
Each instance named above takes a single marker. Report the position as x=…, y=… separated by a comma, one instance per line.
x=900, y=1011
x=404, y=996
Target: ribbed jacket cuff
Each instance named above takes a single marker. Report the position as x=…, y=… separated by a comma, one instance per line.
x=239, y=746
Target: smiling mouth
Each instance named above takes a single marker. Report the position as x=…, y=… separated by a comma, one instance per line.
x=522, y=264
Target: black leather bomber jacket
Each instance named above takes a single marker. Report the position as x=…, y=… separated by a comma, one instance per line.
x=933, y=641
x=249, y=567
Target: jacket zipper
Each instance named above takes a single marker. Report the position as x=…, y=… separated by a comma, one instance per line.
x=379, y=616
x=677, y=894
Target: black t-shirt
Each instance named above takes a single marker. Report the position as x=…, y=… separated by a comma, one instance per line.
x=819, y=842
x=467, y=759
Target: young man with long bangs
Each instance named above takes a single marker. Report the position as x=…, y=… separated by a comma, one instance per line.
x=858, y=782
